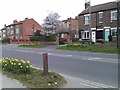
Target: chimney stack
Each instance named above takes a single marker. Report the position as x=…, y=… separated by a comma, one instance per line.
x=87, y=4
x=15, y=21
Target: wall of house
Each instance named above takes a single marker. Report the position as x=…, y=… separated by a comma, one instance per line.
x=29, y=26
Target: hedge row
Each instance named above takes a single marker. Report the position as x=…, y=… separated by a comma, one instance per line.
x=43, y=38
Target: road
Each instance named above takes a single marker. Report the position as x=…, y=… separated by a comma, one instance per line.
x=99, y=68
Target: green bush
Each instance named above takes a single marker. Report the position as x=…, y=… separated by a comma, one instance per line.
x=6, y=40
x=43, y=38
x=15, y=65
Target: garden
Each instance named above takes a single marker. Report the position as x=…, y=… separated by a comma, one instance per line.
x=23, y=71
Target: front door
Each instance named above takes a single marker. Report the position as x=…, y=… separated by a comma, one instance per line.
x=93, y=36
x=107, y=33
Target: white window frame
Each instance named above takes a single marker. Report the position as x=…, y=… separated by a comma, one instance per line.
x=84, y=33
x=99, y=14
x=17, y=31
x=87, y=20
x=11, y=31
x=113, y=17
x=115, y=28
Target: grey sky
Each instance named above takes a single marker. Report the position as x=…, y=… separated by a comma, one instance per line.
x=39, y=9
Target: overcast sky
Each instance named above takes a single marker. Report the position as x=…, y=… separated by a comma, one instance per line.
x=39, y=9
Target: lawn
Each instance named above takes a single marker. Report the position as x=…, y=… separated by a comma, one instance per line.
x=103, y=49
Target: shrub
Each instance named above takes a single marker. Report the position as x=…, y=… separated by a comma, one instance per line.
x=43, y=38
x=6, y=40
x=15, y=65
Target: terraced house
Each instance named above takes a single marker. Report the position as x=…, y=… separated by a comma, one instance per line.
x=20, y=30
x=103, y=22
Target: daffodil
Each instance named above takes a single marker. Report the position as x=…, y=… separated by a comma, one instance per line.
x=55, y=82
x=26, y=66
x=16, y=59
x=28, y=61
x=20, y=66
x=6, y=58
x=48, y=84
x=19, y=63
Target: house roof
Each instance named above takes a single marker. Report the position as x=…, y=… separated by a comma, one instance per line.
x=100, y=7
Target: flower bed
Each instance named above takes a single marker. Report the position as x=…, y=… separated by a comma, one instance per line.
x=30, y=77
x=31, y=45
x=15, y=65
x=77, y=45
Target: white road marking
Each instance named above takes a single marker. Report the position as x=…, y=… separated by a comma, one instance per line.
x=101, y=59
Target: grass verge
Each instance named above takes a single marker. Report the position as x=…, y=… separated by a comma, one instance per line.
x=36, y=79
x=92, y=49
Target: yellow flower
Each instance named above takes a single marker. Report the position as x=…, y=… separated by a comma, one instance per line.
x=30, y=65
x=20, y=66
x=55, y=82
x=19, y=63
x=14, y=63
x=6, y=58
x=16, y=59
x=26, y=66
x=48, y=84
x=24, y=62
x=28, y=61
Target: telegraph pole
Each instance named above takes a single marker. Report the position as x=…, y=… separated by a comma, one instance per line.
x=118, y=23
x=90, y=23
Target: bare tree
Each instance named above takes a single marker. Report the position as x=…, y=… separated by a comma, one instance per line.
x=51, y=24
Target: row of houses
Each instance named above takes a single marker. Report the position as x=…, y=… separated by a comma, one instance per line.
x=103, y=22
x=20, y=30
x=100, y=20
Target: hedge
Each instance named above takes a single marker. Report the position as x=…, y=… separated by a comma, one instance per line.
x=43, y=38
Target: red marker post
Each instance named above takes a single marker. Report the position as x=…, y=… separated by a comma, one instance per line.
x=45, y=63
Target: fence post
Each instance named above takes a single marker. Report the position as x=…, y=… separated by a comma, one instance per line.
x=45, y=63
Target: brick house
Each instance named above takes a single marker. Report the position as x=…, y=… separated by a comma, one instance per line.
x=103, y=22
x=20, y=30
x=70, y=25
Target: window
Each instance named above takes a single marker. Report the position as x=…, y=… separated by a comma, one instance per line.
x=85, y=35
x=11, y=31
x=17, y=31
x=114, y=32
x=114, y=15
x=3, y=35
x=100, y=17
x=87, y=19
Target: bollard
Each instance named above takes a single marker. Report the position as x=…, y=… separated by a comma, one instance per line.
x=45, y=63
